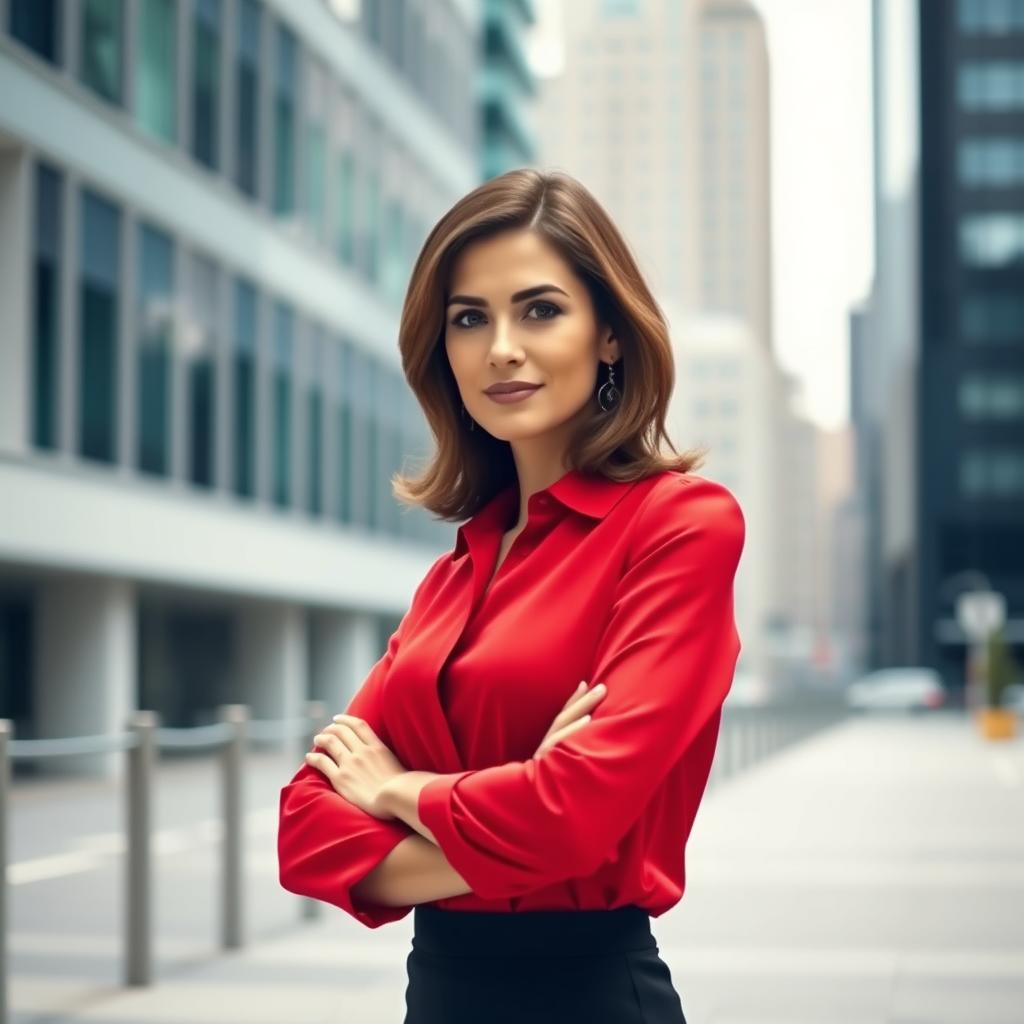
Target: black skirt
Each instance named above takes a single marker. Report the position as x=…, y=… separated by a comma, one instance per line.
x=537, y=967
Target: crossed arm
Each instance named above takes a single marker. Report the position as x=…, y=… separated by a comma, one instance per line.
x=416, y=870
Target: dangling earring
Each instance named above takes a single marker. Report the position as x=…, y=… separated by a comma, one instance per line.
x=608, y=394
x=465, y=415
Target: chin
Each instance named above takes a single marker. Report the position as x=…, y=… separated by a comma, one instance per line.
x=523, y=431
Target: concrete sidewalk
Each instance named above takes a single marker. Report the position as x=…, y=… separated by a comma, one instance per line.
x=872, y=874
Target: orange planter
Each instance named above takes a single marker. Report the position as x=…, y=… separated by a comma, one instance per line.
x=997, y=723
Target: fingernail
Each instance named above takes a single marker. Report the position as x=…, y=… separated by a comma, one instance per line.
x=600, y=688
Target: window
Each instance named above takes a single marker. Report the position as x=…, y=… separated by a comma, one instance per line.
x=393, y=271
x=344, y=207
x=372, y=228
x=284, y=345
x=101, y=47
x=285, y=85
x=358, y=384
x=247, y=99
x=206, y=42
x=314, y=401
x=992, y=239
x=244, y=348
x=388, y=405
x=991, y=396
x=371, y=21
x=99, y=259
x=156, y=80
x=46, y=306
x=991, y=162
x=991, y=85
x=344, y=425
x=992, y=473
x=199, y=351
x=993, y=316
x=372, y=468
x=316, y=148
x=36, y=24
x=154, y=325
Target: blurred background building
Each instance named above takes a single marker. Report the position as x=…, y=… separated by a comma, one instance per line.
x=508, y=87
x=208, y=213
x=939, y=415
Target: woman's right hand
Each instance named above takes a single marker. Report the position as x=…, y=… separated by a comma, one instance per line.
x=575, y=713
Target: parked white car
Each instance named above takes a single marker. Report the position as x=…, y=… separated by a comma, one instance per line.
x=902, y=688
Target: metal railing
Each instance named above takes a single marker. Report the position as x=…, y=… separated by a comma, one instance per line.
x=141, y=743
x=747, y=736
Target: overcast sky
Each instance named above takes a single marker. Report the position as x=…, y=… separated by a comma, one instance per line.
x=820, y=54
x=820, y=66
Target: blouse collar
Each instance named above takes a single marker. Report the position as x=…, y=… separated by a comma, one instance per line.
x=590, y=494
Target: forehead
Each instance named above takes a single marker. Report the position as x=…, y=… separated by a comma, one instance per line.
x=507, y=261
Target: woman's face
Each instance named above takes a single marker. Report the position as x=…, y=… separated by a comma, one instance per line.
x=550, y=337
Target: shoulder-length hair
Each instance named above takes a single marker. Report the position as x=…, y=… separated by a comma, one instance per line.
x=468, y=467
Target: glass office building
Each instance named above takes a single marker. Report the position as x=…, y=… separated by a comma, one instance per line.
x=209, y=210
x=943, y=376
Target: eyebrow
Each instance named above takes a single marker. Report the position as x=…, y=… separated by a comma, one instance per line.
x=526, y=293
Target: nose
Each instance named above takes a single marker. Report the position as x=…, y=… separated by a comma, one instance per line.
x=503, y=345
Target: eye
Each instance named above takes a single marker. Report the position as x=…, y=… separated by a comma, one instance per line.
x=545, y=305
x=457, y=321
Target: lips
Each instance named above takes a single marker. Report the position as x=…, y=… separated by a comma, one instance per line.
x=504, y=389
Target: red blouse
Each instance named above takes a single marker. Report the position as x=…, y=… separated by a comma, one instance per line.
x=629, y=584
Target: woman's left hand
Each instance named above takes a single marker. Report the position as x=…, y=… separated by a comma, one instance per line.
x=357, y=763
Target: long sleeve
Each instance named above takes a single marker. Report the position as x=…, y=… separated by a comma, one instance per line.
x=325, y=844
x=667, y=657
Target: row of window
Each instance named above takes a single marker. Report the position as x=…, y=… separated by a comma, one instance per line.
x=223, y=385
x=438, y=63
x=992, y=16
x=992, y=473
x=991, y=85
x=992, y=239
x=992, y=396
x=258, y=108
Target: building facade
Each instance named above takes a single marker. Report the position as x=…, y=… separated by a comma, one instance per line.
x=209, y=210
x=945, y=335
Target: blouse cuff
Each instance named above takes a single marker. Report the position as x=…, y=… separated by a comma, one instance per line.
x=373, y=915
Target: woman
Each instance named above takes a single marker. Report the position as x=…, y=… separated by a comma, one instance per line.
x=535, y=822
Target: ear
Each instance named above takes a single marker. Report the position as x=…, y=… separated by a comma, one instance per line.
x=609, y=349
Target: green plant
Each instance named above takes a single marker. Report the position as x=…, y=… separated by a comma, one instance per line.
x=1002, y=668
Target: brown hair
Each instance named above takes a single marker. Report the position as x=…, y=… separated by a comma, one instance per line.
x=469, y=467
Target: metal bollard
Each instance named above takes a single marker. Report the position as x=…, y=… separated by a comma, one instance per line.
x=236, y=716
x=316, y=713
x=142, y=755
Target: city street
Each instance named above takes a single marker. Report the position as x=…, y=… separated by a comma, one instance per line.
x=873, y=873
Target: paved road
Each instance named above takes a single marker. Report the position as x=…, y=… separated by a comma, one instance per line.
x=873, y=874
